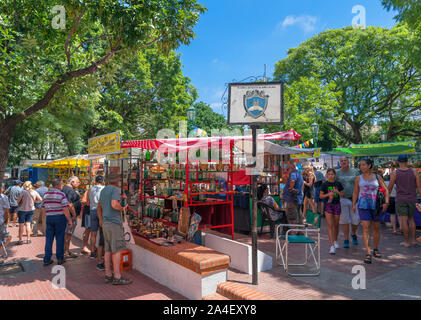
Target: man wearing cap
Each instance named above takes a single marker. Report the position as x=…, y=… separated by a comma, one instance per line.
x=407, y=181
x=13, y=194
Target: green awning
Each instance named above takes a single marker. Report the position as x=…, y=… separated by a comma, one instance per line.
x=379, y=149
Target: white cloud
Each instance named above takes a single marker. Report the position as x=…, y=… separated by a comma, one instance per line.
x=305, y=22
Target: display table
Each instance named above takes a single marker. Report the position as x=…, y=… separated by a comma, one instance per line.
x=189, y=269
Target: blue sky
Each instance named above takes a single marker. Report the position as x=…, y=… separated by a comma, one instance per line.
x=236, y=38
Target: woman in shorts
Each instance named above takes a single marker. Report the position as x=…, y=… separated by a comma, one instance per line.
x=309, y=180
x=364, y=197
x=332, y=190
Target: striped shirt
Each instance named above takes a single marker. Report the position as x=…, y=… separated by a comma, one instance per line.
x=54, y=202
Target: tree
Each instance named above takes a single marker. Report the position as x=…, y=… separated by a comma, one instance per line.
x=409, y=11
x=207, y=119
x=44, y=67
x=368, y=72
x=147, y=94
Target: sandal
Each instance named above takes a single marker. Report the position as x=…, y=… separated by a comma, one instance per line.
x=376, y=253
x=122, y=281
x=109, y=279
x=367, y=259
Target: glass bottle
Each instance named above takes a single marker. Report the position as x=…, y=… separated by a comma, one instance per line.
x=148, y=156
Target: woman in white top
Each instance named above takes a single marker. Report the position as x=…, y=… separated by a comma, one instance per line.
x=26, y=207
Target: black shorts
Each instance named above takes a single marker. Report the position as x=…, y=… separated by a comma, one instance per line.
x=101, y=237
x=13, y=209
x=391, y=209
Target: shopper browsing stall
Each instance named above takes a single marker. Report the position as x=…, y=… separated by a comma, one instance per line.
x=109, y=214
x=332, y=190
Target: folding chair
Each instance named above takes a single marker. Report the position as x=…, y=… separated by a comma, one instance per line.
x=264, y=210
x=311, y=244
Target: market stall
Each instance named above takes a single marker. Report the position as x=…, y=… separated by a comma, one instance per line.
x=204, y=187
x=64, y=168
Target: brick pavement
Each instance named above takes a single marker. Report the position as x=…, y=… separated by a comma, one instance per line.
x=394, y=276
x=83, y=281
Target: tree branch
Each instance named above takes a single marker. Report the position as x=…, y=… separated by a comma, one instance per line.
x=43, y=103
x=71, y=32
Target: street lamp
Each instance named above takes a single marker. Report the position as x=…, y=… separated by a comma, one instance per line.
x=315, y=132
x=383, y=136
x=191, y=117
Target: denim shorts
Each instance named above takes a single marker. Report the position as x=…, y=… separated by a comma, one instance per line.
x=368, y=215
x=25, y=216
x=93, y=220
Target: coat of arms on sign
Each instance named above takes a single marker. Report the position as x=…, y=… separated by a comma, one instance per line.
x=255, y=103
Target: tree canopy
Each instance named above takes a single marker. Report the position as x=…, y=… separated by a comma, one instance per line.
x=44, y=67
x=357, y=78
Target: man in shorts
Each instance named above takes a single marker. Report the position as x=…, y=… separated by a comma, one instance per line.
x=75, y=206
x=293, y=194
x=346, y=176
x=94, y=221
x=407, y=182
x=13, y=194
x=109, y=214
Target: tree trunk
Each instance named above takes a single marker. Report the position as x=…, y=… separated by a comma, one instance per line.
x=6, y=138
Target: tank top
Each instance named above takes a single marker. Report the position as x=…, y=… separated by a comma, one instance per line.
x=406, y=186
x=368, y=194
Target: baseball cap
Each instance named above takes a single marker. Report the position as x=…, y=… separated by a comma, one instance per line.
x=99, y=179
x=403, y=158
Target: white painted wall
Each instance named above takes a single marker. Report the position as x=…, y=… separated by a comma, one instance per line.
x=174, y=276
x=170, y=274
x=240, y=253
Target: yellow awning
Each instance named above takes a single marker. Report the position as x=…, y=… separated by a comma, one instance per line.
x=80, y=161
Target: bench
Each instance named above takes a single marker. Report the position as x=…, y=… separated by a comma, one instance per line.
x=189, y=269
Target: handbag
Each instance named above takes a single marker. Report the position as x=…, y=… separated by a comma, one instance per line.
x=380, y=200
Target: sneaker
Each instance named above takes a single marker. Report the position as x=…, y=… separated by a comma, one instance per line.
x=100, y=267
x=336, y=244
x=48, y=263
x=354, y=240
x=346, y=243
x=93, y=255
x=61, y=261
x=122, y=281
x=332, y=250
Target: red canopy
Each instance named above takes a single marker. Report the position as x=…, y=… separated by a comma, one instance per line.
x=174, y=145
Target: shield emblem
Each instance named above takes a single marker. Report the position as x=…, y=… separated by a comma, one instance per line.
x=255, y=103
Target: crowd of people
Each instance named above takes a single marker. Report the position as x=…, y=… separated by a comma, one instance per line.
x=52, y=213
x=348, y=197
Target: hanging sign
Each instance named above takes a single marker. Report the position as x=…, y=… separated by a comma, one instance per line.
x=255, y=103
x=105, y=144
